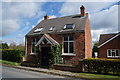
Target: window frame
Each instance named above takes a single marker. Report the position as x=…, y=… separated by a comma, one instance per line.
x=33, y=43
x=68, y=41
x=38, y=30
x=73, y=25
x=52, y=28
x=111, y=50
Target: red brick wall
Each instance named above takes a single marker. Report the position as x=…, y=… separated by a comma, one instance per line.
x=29, y=47
x=114, y=44
x=79, y=47
x=88, y=40
x=57, y=37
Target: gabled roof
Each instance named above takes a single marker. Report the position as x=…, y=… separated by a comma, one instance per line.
x=48, y=38
x=59, y=24
x=105, y=38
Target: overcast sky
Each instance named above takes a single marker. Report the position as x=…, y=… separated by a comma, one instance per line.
x=18, y=18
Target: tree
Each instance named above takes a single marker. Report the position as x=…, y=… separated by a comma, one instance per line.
x=21, y=47
x=17, y=47
x=13, y=46
x=4, y=46
x=95, y=48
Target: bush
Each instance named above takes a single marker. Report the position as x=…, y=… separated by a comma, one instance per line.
x=104, y=66
x=12, y=55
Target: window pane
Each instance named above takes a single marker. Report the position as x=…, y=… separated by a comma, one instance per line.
x=45, y=41
x=117, y=52
x=109, y=53
x=70, y=38
x=33, y=48
x=33, y=41
x=69, y=26
x=65, y=38
x=65, y=47
x=113, y=54
x=71, y=50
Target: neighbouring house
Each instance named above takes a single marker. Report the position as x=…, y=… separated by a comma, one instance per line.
x=109, y=46
x=72, y=31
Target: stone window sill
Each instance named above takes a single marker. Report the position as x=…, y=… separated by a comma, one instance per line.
x=68, y=54
x=33, y=54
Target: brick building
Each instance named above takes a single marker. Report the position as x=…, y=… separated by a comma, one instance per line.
x=109, y=46
x=72, y=31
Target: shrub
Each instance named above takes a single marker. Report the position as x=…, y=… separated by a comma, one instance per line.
x=57, y=51
x=104, y=66
x=12, y=55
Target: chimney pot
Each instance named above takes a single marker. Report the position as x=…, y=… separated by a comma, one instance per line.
x=46, y=17
x=82, y=9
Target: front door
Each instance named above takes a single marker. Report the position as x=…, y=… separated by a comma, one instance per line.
x=45, y=58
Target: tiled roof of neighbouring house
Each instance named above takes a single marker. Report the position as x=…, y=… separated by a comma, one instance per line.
x=59, y=23
x=104, y=38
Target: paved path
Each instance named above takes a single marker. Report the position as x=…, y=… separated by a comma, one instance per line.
x=8, y=72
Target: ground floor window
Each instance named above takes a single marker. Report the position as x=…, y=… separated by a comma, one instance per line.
x=113, y=53
x=33, y=43
x=68, y=44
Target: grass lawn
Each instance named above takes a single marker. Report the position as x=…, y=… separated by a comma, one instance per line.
x=9, y=63
x=97, y=76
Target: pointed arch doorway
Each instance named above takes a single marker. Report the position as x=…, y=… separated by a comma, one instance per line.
x=45, y=44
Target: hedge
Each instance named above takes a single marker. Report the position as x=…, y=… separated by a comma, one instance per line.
x=12, y=55
x=104, y=66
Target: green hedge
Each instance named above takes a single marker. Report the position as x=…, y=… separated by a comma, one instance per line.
x=104, y=66
x=12, y=55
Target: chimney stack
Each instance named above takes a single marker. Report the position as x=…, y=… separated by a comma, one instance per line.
x=46, y=17
x=82, y=10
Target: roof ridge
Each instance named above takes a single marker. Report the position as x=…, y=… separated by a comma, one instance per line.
x=64, y=17
x=109, y=34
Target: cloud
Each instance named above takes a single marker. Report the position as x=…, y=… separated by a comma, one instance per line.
x=105, y=19
x=52, y=16
x=20, y=35
x=104, y=22
x=14, y=15
x=9, y=26
x=69, y=8
x=27, y=26
x=11, y=40
x=103, y=16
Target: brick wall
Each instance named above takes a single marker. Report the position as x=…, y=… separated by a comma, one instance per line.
x=114, y=44
x=88, y=40
x=79, y=47
x=29, y=47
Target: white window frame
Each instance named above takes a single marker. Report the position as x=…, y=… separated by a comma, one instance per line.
x=52, y=28
x=32, y=46
x=70, y=54
x=38, y=29
x=73, y=25
x=111, y=50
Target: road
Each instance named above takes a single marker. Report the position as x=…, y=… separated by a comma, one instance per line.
x=8, y=72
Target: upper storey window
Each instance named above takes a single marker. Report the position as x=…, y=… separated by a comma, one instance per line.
x=38, y=29
x=69, y=26
x=52, y=28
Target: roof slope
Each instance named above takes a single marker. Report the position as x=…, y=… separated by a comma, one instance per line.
x=49, y=38
x=105, y=38
x=59, y=24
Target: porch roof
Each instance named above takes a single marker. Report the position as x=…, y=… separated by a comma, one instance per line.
x=48, y=38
